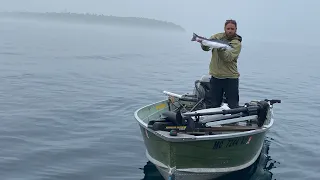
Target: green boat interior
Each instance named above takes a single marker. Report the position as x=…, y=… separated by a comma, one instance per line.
x=191, y=114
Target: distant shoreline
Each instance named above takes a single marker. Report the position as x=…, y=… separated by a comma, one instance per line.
x=94, y=19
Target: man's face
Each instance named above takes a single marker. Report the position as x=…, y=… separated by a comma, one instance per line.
x=230, y=30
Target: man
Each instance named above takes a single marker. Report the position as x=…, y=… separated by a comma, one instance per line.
x=223, y=67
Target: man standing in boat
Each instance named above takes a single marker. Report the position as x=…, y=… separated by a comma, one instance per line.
x=223, y=67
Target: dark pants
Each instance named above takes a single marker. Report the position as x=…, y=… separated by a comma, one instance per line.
x=228, y=88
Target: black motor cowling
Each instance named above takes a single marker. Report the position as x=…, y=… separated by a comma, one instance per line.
x=260, y=108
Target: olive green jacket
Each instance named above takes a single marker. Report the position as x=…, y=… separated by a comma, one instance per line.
x=224, y=62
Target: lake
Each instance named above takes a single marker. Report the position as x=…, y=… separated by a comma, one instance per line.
x=68, y=93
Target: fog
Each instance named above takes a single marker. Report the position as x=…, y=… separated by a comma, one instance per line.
x=274, y=21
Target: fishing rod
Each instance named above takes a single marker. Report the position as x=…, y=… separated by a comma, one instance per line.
x=248, y=109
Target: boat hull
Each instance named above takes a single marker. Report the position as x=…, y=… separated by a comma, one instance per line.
x=207, y=158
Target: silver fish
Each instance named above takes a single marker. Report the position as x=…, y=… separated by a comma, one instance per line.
x=212, y=43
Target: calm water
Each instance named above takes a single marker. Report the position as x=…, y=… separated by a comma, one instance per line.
x=68, y=93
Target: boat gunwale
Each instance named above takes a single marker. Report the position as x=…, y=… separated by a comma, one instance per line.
x=186, y=137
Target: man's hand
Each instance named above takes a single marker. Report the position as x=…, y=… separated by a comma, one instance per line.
x=222, y=49
x=205, y=48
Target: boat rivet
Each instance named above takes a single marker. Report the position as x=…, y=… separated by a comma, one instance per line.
x=173, y=133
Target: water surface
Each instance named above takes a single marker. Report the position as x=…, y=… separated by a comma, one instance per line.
x=69, y=92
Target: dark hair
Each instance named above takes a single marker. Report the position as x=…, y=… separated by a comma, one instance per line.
x=230, y=21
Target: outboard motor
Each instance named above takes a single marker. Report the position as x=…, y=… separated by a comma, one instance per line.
x=202, y=87
x=202, y=91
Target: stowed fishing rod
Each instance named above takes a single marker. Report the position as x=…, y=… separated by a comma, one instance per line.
x=248, y=109
x=184, y=121
x=259, y=108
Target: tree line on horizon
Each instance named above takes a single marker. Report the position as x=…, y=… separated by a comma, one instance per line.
x=95, y=18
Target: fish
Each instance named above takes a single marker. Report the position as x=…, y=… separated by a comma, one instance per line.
x=212, y=43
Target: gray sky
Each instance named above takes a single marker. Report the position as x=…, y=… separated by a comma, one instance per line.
x=276, y=20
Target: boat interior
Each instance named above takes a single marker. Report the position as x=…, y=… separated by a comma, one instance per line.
x=192, y=114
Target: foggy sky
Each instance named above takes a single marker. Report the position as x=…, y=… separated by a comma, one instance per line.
x=275, y=20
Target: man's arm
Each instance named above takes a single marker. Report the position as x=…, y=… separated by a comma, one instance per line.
x=231, y=55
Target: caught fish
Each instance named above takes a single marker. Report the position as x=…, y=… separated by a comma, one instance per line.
x=212, y=43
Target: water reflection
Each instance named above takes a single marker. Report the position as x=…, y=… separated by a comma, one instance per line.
x=259, y=170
